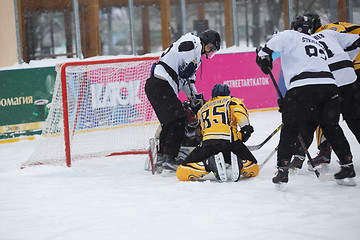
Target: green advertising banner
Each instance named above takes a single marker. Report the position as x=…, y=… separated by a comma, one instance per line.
x=24, y=95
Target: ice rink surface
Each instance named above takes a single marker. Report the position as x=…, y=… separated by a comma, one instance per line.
x=115, y=198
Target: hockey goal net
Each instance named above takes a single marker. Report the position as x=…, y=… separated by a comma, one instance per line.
x=98, y=108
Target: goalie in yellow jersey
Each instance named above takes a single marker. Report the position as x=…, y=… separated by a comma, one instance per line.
x=224, y=123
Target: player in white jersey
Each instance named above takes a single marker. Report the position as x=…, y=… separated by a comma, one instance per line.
x=342, y=48
x=174, y=72
x=311, y=98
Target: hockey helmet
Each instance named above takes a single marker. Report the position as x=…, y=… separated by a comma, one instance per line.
x=315, y=20
x=211, y=36
x=220, y=90
x=303, y=24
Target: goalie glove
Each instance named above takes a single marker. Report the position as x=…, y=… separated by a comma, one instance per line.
x=246, y=132
x=264, y=62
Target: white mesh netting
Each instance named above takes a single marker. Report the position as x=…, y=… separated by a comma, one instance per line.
x=107, y=110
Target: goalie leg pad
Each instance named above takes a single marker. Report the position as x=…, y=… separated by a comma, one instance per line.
x=191, y=171
x=249, y=169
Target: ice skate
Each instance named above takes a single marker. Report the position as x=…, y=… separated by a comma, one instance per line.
x=281, y=178
x=346, y=175
x=159, y=162
x=236, y=166
x=296, y=164
x=322, y=160
x=169, y=163
x=217, y=166
x=220, y=167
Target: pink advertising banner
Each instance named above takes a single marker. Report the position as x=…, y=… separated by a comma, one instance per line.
x=241, y=73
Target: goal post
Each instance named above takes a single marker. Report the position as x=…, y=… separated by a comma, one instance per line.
x=99, y=108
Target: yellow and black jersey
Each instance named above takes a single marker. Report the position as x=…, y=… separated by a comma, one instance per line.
x=221, y=117
x=332, y=26
x=344, y=27
x=350, y=27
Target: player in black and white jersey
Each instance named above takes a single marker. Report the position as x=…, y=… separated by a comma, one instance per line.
x=174, y=72
x=311, y=98
x=342, y=48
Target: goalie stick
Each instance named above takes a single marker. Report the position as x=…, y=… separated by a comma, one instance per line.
x=301, y=140
x=258, y=146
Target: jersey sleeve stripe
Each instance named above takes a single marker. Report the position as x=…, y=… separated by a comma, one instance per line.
x=267, y=50
x=355, y=45
x=341, y=65
x=352, y=28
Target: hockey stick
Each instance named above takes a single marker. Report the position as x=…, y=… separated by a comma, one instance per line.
x=193, y=97
x=301, y=140
x=261, y=165
x=194, y=100
x=258, y=146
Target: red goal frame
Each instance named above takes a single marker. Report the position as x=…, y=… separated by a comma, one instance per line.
x=65, y=104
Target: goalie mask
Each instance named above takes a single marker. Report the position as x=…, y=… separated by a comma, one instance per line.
x=303, y=24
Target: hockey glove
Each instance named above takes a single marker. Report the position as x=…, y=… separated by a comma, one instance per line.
x=280, y=102
x=264, y=62
x=187, y=70
x=246, y=132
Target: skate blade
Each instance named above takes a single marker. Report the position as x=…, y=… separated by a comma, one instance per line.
x=322, y=167
x=281, y=187
x=168, y=173
x=346, y=181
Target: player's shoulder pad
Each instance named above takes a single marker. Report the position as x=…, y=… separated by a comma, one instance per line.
x=236, y=101
x=332, y=26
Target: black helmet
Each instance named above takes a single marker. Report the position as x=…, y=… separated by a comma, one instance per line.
x=211, y=36
x=302, y=24
x=220, y=90
x=315, y=20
